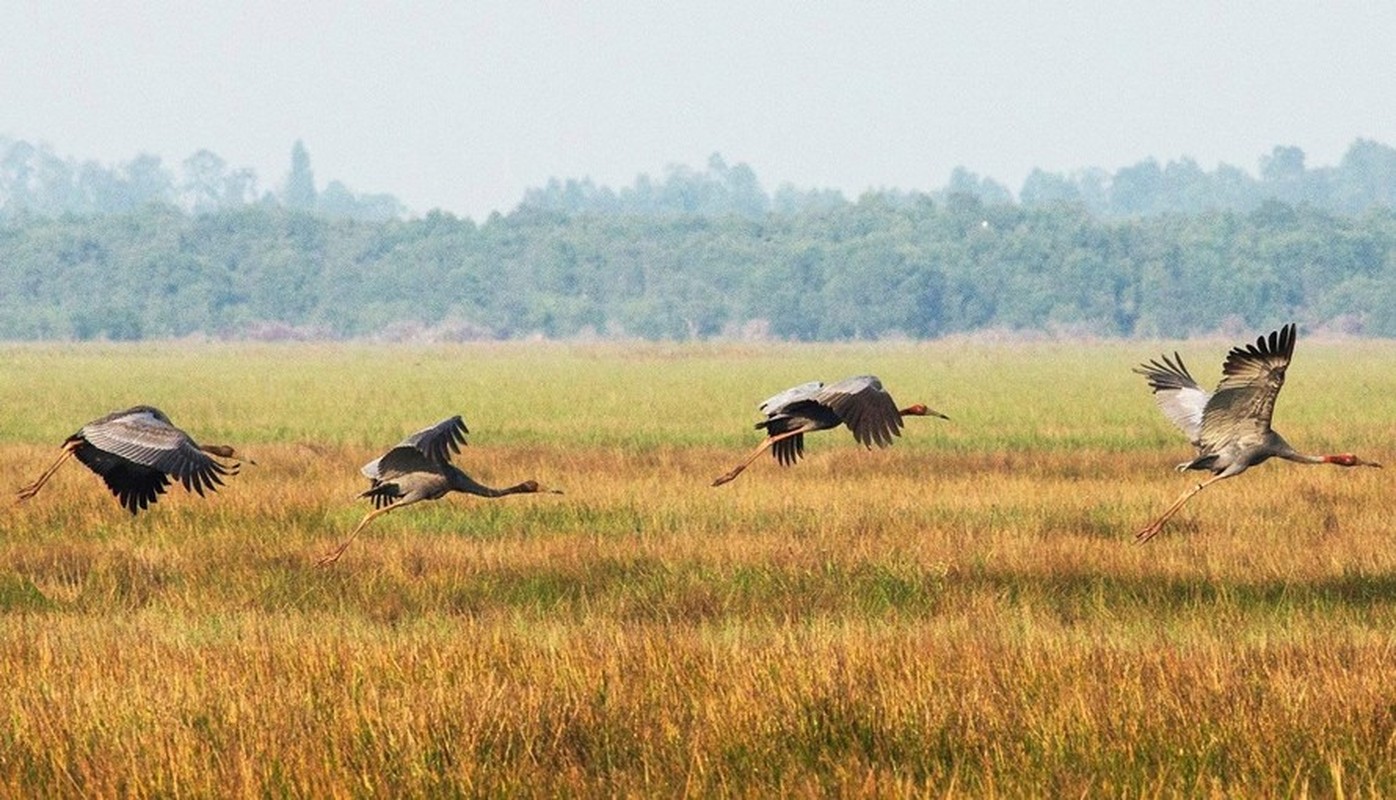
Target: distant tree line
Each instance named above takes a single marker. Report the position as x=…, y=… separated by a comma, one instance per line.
x=1365, y=178
x=887, y=265
x=35, y=182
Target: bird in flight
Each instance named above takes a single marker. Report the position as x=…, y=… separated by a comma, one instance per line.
x=859, y=402
x=137, y=452
x=1230, y=427
x=420, y=468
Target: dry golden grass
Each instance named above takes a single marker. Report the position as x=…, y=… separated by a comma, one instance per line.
x=963, y=614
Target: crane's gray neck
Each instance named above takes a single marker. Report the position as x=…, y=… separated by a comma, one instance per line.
x=461, y=482
x=1281, y=449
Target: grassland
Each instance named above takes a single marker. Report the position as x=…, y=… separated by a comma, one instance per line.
x=962, y=614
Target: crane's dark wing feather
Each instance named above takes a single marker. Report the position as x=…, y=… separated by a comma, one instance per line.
x=1252, y=378
x=440, y=441
x=1177, y=394
x=427, y=450
x=135, y=486
x=788, y=451
x=793, y=408
x=777, y=403
x=383, y=493
x=865, y=407
x=397, y=462
x=144, y=439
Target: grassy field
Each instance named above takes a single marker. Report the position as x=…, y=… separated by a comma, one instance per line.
x=961, y=614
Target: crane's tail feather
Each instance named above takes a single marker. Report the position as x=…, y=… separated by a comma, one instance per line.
x=382, y=493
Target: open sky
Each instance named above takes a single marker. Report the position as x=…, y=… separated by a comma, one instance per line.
x=463, y=105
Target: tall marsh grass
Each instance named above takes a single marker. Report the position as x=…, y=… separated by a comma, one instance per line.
x=962, y=614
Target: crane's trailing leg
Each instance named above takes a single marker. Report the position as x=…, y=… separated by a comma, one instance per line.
x=737, y=470
x=333, y=556
x=33, y=488
x=1154, y=527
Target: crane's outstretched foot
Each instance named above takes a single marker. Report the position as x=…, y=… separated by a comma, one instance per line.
x=28, y=491
x=1151, y=530
x=33, y=488
x=727, y=478
x=732, y=474
x=761, y=448
x=333, y=556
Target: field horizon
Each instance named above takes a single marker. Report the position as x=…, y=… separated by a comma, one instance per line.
x=964, y=613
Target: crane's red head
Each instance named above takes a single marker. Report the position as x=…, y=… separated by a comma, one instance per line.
x=225, y=451
x=919, y=410
x=1349, y=460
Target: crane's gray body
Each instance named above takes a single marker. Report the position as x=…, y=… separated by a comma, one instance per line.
x=1229, y=427
x=419, y=468
x=859, y=402
x=135, y=451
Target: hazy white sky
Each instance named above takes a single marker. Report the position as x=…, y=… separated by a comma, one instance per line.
x=463, y=106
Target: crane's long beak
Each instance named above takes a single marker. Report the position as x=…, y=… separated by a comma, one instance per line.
x=1362, y=463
